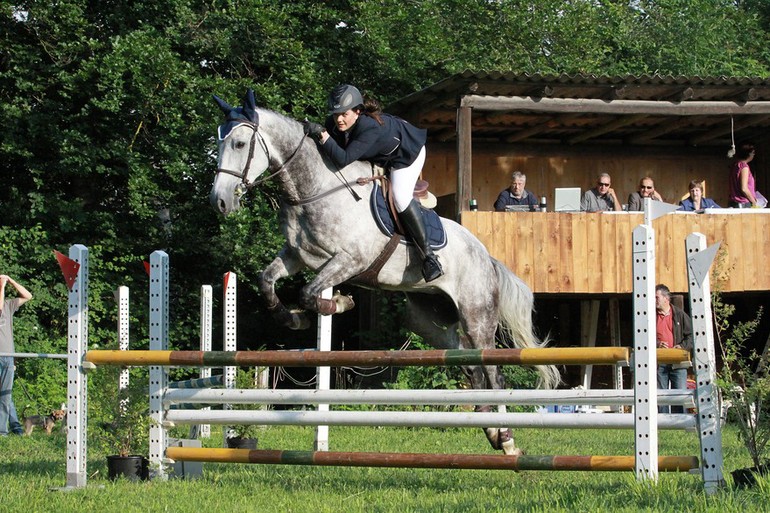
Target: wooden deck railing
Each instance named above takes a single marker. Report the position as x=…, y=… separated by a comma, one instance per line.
x=591, y=253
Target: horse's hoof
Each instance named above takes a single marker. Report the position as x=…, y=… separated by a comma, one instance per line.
x=510, y=449
x=299, y=320
x=344, y=302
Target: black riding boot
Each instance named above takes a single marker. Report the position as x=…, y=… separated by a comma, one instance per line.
x=414, y=226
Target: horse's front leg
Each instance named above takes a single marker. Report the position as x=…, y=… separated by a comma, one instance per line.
x=338, y=270
x=284, y=265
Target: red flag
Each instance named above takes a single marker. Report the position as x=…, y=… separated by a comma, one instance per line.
x=69, y=268
x=147, y=267
x=227, y=278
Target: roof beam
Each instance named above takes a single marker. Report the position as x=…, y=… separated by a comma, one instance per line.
x=594, y=106
x=666, y=126
x=543, y=126
x=609, y=127
x=725, y=129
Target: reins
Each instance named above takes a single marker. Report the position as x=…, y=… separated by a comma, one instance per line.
x=246, y=185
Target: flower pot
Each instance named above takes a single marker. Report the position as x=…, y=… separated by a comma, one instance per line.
x=242, y=443
x=133, y=468
x=746, y=477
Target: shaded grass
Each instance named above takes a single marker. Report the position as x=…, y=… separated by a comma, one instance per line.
x=29, y=467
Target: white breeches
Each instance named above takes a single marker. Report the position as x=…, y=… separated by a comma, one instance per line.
x=403, y=180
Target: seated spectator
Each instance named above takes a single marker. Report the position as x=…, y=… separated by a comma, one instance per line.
x=696, y=201
x=600, y=198
x=646, y=190
x=516, y=194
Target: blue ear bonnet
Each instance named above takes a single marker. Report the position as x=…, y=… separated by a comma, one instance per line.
x=237, y=116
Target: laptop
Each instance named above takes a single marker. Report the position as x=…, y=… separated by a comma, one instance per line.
x=566, y=199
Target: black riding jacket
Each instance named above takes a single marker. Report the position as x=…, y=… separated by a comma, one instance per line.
x=394, y=144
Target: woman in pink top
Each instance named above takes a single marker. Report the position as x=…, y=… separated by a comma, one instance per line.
x=742, y=189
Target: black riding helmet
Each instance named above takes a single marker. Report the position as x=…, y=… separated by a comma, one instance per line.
x=343, y=98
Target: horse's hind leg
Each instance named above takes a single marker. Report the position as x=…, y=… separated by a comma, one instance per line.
x=485, y=377
x=434, y=317
x=479, y=324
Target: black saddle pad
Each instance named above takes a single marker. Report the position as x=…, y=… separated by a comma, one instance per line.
x=386, y=223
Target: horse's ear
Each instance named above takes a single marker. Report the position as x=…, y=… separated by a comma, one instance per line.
x=250, y=107
x=223, y=105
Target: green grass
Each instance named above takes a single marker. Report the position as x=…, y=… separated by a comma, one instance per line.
x=31, y=467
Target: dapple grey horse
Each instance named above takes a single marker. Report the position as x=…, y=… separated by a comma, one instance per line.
x=326, y=218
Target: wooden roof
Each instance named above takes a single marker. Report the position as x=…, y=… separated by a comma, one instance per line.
x=593, y=110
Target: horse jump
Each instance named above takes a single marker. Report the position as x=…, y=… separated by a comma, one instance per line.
x=710, y=465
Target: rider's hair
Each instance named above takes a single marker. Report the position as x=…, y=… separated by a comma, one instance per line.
x=373, y=108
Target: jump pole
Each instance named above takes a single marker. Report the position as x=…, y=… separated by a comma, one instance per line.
x=607, y=397
x=422, y=419
x=423, y=358
x=230, y=337
x=699, y=260
x=323, y=373
x=204, y=430
x=426, y=461
x=77, y=345
x=159, y=326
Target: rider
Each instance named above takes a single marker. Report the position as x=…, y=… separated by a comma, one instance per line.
x=357, y=129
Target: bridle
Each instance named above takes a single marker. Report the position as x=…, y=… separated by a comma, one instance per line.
x=245, y=184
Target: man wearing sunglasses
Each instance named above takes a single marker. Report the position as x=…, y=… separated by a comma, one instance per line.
x=600, y=198
x=646, y=190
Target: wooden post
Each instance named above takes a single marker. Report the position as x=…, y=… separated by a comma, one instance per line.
x=464, y=157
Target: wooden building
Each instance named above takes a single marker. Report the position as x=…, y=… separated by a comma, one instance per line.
x=561, y=131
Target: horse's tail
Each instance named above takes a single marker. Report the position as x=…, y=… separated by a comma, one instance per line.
x=516, y=306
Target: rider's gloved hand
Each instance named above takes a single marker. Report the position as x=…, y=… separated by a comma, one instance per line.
x=313, y=129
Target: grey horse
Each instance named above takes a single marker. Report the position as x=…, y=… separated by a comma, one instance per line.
x=329, y=228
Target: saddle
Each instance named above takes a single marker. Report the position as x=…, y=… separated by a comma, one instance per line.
x=383, y=211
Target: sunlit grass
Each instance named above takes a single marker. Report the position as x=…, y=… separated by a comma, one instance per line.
x=30, y=467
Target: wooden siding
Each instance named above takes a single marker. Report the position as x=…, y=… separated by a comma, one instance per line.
x=581, y=253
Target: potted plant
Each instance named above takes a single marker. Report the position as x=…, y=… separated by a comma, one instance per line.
x=121, y=423
x=245, y=434
x=744, y=384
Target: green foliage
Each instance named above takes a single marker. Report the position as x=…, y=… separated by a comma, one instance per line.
x=246, y=379
x=518, y=377
x=427, y=378
x=744, y=379
x=119, y=420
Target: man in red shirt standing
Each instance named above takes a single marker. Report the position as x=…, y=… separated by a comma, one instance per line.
x=673, y=329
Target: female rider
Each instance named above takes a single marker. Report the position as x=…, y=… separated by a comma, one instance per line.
x=359, y=130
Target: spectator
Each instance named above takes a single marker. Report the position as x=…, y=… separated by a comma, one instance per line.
x=8, y=307
x=741, y=180
x=646, y=190
x=696, y=201
x=600, y=198
x=673, y=329
x=516, y=194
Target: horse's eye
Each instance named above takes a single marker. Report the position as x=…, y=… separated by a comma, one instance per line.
x=240, y=145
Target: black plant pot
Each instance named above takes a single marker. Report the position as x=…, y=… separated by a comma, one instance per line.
x=746, y=477
x=242, y=443
x=133, y=468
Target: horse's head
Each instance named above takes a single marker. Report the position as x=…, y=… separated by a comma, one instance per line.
x=242, y=154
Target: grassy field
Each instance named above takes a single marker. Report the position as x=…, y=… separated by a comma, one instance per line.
x=31, y=467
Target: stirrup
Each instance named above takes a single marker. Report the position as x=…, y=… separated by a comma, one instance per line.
x=431, y=268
